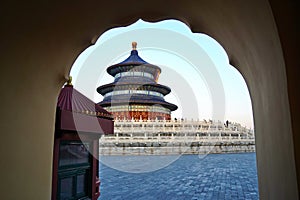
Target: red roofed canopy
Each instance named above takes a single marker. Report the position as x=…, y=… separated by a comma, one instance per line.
x=78, y=113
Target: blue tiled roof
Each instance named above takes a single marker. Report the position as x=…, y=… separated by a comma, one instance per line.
x=134, y=58
x=137, y=99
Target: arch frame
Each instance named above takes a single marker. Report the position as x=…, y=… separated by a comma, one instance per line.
x=41, y=40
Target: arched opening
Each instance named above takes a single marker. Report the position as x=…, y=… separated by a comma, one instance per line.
x=254, y=34
x=206, y=87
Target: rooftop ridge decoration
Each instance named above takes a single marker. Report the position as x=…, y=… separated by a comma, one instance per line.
x=134, y=45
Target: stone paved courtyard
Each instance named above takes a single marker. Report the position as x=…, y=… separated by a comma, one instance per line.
x=215, y=176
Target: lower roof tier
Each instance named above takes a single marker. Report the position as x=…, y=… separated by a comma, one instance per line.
x=135, y=100
x=155, y=87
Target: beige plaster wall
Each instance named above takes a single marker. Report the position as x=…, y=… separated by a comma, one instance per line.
x=41, y=40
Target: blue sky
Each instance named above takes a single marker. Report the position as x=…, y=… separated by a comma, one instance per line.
x=195, y=66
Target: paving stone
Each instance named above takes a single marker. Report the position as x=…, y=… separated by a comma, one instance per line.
x=217, y=176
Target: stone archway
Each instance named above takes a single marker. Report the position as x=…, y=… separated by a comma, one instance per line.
x=41, y=40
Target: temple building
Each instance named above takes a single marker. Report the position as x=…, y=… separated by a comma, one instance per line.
x=135, y=93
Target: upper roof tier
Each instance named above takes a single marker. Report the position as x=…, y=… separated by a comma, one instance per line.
x=134, y=63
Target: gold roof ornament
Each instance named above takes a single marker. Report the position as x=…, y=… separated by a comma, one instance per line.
x=134, y=44
x=69, y=81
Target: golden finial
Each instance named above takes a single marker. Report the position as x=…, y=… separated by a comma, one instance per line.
x=69, y=81
x=134, y=44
